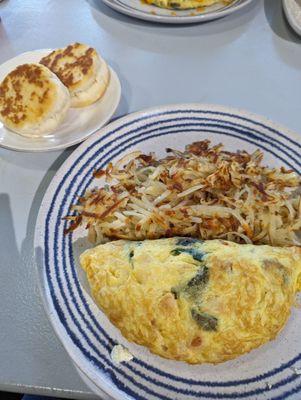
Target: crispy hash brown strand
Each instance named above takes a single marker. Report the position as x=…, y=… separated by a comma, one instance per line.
x=203, y=192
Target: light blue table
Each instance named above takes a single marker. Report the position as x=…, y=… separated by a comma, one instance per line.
x=250, y=60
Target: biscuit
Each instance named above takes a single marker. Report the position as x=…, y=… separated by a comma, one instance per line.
x=81, y=70
x=33, y=101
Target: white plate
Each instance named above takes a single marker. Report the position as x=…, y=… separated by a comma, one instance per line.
x=292, y=9
x=138, y=9
x=86, y=333
x=79, y=122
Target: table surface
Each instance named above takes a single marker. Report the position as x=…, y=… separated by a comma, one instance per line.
x=250, y=60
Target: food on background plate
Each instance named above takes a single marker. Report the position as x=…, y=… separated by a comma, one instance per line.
x=33, y=101
x=204, y=192
x=82, y=71
x=186, y=4
x=194, y=301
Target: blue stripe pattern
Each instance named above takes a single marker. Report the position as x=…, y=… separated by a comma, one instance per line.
x=98, y=160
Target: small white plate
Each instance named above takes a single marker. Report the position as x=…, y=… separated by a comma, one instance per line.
x=292, y=9
x=141, y=10
x=79, y=122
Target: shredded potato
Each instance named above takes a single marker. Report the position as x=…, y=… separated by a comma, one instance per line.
x=203, y=192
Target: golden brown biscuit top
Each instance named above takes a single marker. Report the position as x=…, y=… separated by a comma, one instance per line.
x=71, y=63
x=26, y=94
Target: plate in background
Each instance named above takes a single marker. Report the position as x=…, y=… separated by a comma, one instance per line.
x=292, y=9
x=138, y=9
x=77, y=125
x=86, y=333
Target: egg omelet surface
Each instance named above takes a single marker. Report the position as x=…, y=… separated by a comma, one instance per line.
x=194, y=301
x=186, y=4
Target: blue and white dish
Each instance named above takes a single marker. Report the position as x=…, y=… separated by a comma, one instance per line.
x=269, y=372
x=139, y=9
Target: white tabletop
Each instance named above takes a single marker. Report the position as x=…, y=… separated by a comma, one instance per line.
x=250, y=60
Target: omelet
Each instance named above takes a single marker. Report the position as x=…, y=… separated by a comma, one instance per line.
x=191, y=300
x=186, y=4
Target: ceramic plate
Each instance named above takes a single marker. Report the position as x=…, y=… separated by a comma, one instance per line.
x=79, y=122
x=292, y=9
x=141, y=10
x=269, y=372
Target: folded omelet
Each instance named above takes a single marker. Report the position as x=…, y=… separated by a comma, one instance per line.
x=187, y=4
x=194, y=301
